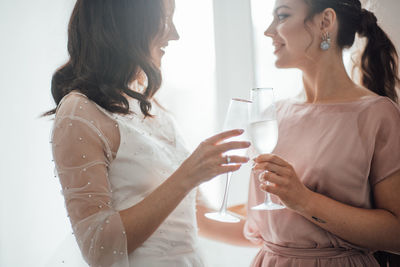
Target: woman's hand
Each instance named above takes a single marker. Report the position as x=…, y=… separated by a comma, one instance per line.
x=284, y=182
x=208, y=161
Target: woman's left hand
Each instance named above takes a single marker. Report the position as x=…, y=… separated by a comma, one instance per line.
x=284, y=182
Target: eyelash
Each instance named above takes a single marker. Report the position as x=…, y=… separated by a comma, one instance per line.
x=282, y=15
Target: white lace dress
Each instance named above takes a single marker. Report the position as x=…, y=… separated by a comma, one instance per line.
x=107, y=163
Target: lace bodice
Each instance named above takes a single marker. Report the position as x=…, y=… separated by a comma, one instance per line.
x=107, y=163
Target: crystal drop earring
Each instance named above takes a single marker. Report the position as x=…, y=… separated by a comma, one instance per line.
x=326, y=41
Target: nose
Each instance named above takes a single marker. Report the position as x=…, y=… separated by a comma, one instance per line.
x=271, y=30
x=174, y=35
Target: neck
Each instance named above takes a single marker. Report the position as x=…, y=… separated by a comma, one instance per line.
x=327, y=79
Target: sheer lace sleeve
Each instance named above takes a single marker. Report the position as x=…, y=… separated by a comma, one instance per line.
x=84, y=142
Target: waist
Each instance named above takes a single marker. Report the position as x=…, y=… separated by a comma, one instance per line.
x=307, y=253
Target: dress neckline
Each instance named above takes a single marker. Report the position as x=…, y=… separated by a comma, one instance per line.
x=363, y=99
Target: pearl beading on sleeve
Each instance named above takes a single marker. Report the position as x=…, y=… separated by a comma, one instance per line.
x=82, y=155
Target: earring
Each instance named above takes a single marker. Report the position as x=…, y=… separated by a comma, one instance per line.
x=326, y=41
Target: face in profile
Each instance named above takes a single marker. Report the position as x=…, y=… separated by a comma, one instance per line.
x=169, y=33
x=291, y=36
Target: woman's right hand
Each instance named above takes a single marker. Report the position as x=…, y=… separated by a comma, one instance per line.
x=208, y=160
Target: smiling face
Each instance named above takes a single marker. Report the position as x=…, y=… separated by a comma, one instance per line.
x=292, y=39
x=169, y=33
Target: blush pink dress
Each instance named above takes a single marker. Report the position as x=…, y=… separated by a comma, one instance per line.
x=338, y=150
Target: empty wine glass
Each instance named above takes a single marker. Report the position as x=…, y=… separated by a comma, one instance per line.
x=237, y=117
x=263, y=131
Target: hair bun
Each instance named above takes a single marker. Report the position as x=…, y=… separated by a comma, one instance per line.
x=368, y=20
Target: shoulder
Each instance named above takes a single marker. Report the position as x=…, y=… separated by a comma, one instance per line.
x=280, y=104
x=77, y=115
x=69, y=103
x=76, y=107
x=381, y=116
x=77, y=104
x=383, y=108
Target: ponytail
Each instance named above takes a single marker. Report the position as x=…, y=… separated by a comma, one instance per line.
x=379, y=61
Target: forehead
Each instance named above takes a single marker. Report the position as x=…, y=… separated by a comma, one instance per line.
x=169, y=6
x=293, y=4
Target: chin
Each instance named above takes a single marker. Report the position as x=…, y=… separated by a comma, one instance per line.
x=157, y=62
x=281, y=65
x=156, y=58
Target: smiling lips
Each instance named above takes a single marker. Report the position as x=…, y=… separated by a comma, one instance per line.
x=162, y=48
x=278, y=46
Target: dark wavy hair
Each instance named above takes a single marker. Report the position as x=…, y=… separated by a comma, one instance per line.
x=379, y=61
x=109, y=45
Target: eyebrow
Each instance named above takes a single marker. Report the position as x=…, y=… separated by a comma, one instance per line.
x=279, y=7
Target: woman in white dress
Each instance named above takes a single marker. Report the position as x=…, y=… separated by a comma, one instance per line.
x=128, y=181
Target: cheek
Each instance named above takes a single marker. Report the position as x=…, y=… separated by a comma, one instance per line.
x=296, y=36
x=156, y=56
x=286, y=31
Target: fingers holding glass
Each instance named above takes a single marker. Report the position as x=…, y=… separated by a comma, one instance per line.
x=233, y=149
x=263, y=130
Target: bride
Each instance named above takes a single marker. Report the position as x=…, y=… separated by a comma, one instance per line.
x=128, y=181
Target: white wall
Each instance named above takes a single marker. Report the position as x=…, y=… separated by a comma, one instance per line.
x=33, y=43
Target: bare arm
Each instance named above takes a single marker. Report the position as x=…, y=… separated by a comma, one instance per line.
x=377, y=229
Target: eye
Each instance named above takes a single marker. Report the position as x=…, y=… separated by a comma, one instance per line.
x=282, y=16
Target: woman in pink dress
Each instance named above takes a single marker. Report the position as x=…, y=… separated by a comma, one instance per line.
x=336, y=166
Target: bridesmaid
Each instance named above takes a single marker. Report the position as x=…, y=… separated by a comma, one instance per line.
x=336, y=166
x=337, y=163
x=129, y=182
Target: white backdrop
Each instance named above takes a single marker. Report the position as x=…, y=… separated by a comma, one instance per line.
x=32, y=46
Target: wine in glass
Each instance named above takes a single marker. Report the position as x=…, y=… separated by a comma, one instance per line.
x=237, y=117
x=263, y=131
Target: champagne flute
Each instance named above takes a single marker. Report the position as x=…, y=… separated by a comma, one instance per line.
x=263, y=131
x=237, y=117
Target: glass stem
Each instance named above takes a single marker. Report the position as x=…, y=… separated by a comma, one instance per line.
x=267, y=200
x=225, y=201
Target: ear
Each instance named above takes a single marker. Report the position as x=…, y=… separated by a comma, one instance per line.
x=328, y=20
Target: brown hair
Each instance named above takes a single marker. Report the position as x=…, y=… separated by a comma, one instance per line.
x=379, y=60
x=109, y=44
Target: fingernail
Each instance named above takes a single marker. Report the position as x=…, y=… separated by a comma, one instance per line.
x=241, y=130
